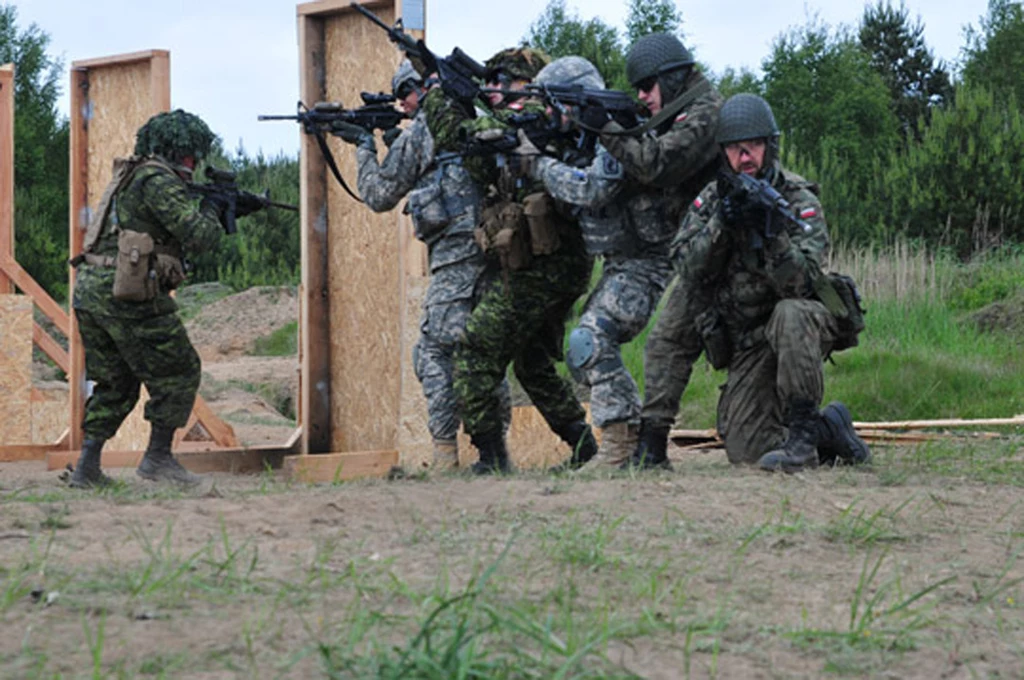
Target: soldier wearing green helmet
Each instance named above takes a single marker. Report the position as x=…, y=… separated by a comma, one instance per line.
x=746, y=297
x=145, y=224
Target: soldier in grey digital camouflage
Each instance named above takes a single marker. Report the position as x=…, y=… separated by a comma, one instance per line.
x=146, y=222
x=748, y=297
x=632, y=197
x=444, y=204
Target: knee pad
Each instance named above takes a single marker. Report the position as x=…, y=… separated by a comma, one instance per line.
x=582, y=348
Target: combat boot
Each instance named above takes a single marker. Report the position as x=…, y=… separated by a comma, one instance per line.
x=159, y=465
x=651, y=449
x=87, y=474
x=493, y=454
x=800, y=450
x=578, y=435
x=838, y=441
x=618, y=441
x=446, y=454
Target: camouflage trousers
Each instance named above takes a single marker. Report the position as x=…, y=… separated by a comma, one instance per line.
x=672, y=347
x=122, y=354
x=763, y=379
x=442, y=328
x=521, y=321
x=617, y=311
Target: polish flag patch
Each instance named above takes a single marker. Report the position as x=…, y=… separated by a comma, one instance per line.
x=681, y=117
x=808, y=213
x=516, y=106
x=698, y=204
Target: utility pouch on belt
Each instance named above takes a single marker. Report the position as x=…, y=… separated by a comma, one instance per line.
x=715, y=338
x=503, y=231
x=135, y=278
x=543, y=221
x=839, y=294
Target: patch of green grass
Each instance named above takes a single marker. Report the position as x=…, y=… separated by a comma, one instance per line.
x=859, y=527
x=283, y=342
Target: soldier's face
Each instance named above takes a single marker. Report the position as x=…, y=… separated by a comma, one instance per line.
x=746, y=156
x=410, y=102
x=649, y=92
x=496, y=99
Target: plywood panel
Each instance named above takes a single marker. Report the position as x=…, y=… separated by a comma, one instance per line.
x=15, y=369
x=111, y=98
x=414, y=441
x=49, y=412
x=364, y=258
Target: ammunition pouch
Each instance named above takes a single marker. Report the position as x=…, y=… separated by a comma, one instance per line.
x=142, y=269
x=504, y=232
x=839, y=294
x=715, y=338
x=544, y=223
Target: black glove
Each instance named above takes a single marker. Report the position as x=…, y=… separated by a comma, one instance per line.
x=391, y=135
x=733, y=210
x=594, y=117
x=218, y=204
x=353, y=134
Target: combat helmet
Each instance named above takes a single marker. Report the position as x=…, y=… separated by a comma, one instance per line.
x=174, y=135
x=746, y=116
x=571, y=71
x=517, y=63
x=655, y=55
x=406, y=78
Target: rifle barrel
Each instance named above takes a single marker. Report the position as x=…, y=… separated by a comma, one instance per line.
x=292, y=117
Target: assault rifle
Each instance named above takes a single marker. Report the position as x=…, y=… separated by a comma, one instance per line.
x=376, y=113
x=748, y=191
x=620, y=106
x=456, y=71
x=223, y=188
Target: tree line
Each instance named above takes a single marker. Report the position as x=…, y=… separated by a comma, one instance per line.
x=903, y=145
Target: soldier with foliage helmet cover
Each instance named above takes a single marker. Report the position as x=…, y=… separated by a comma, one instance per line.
x=444, y=204
x=146, y=223
x=520, y=319
x=747, y=295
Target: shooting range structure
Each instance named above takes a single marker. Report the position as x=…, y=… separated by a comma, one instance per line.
x=365, y=275
x=111, y=97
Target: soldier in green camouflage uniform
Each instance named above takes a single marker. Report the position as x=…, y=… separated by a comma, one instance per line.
x=128, y=344
x=444, y=204
x=629, y=212
x=633, y=196
x=751, y=291
x=520, y=319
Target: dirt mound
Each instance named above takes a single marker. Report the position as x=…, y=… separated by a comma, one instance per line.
x=230, y=326
x=1005, y=316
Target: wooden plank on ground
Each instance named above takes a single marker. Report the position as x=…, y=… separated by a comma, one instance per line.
x=237, y=461
x=334, y=467
x=25, y=452
x=951, y=423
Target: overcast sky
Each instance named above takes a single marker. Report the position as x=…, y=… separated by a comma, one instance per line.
x=234, y=59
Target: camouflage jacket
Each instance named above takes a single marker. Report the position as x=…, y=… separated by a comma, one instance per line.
x=443, y=201
x=749, y=276
x=683, y=154
x=156, y=201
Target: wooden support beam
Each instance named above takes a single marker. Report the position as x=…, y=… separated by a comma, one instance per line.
x=6, y=171
x=315, y=327
x=335, y=467
x=221, y=432
x=51, y=347
x=23, y=280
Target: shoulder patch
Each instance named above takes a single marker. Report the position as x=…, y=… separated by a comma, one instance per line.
x=808, y=213
x=698, y=203
x=681, y=117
